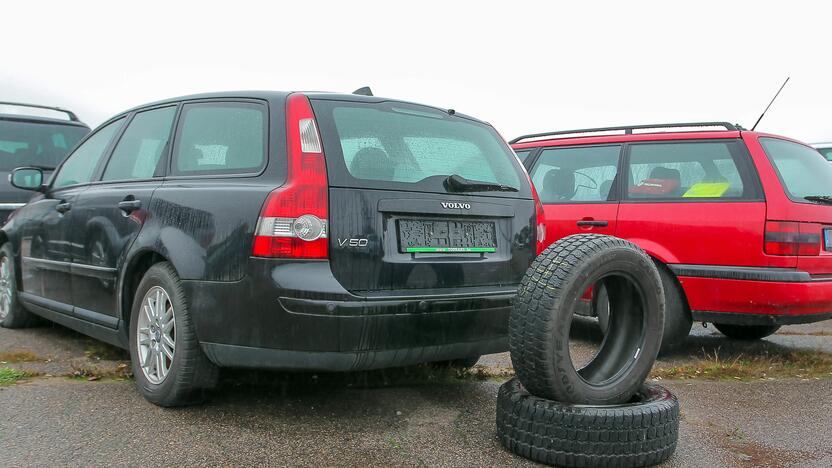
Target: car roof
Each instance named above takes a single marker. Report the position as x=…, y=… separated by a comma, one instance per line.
x=582, y=140
x=823, y=144
x=281, y=95
x=39, y=119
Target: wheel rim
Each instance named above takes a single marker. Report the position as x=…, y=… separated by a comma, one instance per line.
x=5, y=287
x=156, y=335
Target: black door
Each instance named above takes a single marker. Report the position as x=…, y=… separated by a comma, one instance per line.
x=109, y=215
x=46, y=224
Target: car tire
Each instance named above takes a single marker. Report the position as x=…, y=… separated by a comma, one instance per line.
x=746, y=332
x=189, y=374
x=540, y=320
x=677, y=317
x=12, y=312
x=642, y=432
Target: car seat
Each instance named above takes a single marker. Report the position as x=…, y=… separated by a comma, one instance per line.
x=372, y=163
x=559, y=184
x=663, y=181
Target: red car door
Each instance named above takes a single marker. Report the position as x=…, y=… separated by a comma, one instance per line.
x=693, y=202
x=576, y=187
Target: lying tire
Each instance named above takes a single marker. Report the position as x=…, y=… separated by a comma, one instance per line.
x=746, y=332
x=541, y=318
x=640, y=433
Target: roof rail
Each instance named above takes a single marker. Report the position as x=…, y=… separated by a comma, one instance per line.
x=70, y=114
x=628, y=129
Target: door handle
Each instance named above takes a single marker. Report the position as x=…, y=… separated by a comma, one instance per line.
x=592, y=222
x=129, y=206
x=63, y=207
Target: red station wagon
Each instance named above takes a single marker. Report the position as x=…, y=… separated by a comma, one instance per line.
x=739, y=222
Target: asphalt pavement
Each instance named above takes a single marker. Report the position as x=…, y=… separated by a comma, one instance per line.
x=396, y=417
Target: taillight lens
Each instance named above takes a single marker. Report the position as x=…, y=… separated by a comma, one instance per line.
x=540, y=220
x=793, y=238
x=293, y=221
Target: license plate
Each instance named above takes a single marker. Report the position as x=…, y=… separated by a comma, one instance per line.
x=422, y=236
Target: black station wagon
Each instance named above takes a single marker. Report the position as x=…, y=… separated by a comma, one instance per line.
x=306, y=231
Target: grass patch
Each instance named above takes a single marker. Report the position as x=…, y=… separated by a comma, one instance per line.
x=9, y=376
x=801, y=364
x=92, y=372
x=103, y=352
x=19, y=356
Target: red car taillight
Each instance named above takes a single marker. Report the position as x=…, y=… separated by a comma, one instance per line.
x=540, y=221
x=792, y=238
x=293, y=221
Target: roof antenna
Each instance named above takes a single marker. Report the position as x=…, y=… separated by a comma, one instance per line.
x=365, y=91
x=769, y=104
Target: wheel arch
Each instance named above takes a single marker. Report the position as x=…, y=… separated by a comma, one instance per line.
x=134, y=271
x=663, y=266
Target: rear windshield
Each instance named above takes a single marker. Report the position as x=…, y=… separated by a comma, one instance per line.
x=36, y=144
x=406, y=147
x=802, y=170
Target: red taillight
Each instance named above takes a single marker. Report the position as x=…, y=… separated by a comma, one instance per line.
x=293, y=221
x=792, y=238
x=540, y=222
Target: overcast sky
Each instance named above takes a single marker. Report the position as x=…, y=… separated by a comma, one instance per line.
x=523, y=66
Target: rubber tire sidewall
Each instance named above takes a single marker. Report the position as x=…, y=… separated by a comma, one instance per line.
x=540, y=320
x=187, y=374
x=18, y=316
x=677, y=317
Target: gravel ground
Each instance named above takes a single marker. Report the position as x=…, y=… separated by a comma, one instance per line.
x=399, y=417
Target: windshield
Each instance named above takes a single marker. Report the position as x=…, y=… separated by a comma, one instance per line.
x=36, y=144
x=405, y=147
x=802, y=170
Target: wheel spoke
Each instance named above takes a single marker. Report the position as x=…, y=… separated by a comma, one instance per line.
x=148, y=312
x=168, y=341
x=167, y=352
x=167, y=327
x=146, y=361
x=159, y=304
x=160, y=369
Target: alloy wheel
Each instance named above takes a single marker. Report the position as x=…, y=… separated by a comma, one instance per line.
x=156, y=335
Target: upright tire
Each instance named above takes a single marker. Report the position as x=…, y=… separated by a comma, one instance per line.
x=169, y=366
x=540, y=321
x=639, y=433
x=12, y=312
x=746, y=332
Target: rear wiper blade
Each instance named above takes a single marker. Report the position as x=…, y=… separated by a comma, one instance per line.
x=457, y=183
x=820, y=199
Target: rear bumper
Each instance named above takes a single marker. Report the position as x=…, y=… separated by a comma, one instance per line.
x=295, y=315
x=755, y=296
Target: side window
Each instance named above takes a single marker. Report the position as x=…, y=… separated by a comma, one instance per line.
x=137, y=152
x=574, y=175
x=684, y=171
x=220, y=138
x=523, y=154
x=80, y=165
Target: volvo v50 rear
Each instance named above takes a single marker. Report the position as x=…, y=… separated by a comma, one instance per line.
x=275, y=230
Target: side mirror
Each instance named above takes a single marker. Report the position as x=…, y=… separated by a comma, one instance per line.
x=27, y=178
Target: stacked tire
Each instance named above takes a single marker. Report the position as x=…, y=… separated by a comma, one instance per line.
x=602, y=414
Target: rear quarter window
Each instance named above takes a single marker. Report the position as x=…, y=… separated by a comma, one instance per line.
x=406, y=147
x=803, y=171
x=220, y=138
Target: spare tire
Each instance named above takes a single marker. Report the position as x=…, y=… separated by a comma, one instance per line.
x=639, y=433
x=541, y=318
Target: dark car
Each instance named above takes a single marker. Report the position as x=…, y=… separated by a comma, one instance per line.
x=32, y=140
x=276, y=230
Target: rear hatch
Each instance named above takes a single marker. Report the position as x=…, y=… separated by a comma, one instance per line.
x=806, y=207
x=422, y=199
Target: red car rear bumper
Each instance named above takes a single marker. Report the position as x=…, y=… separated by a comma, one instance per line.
x=747, y=295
